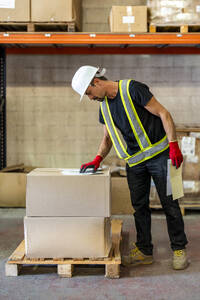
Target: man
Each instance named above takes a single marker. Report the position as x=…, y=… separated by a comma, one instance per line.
x=149, y=132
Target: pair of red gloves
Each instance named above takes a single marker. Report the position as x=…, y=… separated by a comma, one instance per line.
x=174, y=154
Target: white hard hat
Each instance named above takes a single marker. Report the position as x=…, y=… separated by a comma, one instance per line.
x=82, y=79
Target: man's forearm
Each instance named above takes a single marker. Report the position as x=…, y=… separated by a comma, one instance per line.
x=169, y=126
x=105, y=147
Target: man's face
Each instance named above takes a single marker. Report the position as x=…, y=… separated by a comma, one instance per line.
x=96, y=92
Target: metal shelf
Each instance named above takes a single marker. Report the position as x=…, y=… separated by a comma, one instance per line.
x=101, y=43
x=99, y=38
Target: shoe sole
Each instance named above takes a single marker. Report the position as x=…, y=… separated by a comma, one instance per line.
x=183, y=267
x=137, y=263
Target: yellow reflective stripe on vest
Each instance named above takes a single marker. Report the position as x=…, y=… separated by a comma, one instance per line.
x=117, y=143
x=148, y=153
x=148, y=150
x=134, y=120
x=137, y=117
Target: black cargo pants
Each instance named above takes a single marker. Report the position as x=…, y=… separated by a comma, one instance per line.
x=139, y=181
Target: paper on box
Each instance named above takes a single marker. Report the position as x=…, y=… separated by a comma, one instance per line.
x=67, y=237
x=66, y=192
x=7, y=3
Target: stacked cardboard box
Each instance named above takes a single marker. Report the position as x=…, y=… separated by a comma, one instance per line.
x=13, y=185
x=128, y=19
x=68, y=214
x=190, y=147
x=56, y=11
x=174, y=11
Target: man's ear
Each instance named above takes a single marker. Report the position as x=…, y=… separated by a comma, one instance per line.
x=95, y=81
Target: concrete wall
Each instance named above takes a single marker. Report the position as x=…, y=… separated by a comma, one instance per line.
x=48, y=127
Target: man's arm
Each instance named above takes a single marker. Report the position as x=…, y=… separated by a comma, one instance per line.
x=154, y=107
x=104, y=149
x=106, y=144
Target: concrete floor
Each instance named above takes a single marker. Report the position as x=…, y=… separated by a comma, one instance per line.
x=153, y=282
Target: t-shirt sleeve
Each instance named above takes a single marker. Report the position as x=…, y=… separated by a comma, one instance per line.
x=101, y=120
x=140, y=93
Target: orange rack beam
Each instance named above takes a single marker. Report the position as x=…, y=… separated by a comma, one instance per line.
x=99, y=38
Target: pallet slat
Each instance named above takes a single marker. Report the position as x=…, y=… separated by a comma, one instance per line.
x=38, y=26
x=182, y=28
x=18, y=254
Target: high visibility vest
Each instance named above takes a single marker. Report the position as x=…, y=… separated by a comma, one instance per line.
x=147, y=149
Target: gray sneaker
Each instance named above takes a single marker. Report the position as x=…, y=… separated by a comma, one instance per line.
x=180, y=261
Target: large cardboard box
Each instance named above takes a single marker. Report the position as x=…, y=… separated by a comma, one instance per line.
x=128, y=19
x=67, y=237
x=66, y=192
x=121, y=200
x=13, y=186
x=190, y=147
x=56, y=11
x=15, y=10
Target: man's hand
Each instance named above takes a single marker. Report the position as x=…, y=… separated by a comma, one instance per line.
x=92, y=165
x=175, y=154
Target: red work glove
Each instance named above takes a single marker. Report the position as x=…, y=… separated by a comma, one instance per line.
x=92, y=165
x=175, y=154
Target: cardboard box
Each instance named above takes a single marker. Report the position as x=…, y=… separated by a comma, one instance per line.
x=66, y=192
x=56, y=11
x=190, y=147
x=15, y=11
x=174, y=12
x=121, y=200
x=13, y=186
x=67, y=237
x=191, y=188
x=128, y=19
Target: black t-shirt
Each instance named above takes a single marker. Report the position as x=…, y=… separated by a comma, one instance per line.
x=152, y=124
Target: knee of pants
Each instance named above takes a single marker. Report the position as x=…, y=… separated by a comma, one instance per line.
x=140, y=206
x=172, y=210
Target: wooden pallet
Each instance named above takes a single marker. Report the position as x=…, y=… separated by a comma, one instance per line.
x=37, y=26
x=153, y=28
x=65, y=266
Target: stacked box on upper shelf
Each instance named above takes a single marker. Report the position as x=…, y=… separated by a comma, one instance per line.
x=15, y=11
x=57, y=11
x=128, y=19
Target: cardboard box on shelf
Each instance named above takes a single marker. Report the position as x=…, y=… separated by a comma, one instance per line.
x=128, y=19
x=174, y=12
x=56, y=11
x=13, y=186
x=66, y=192
x=67, y=237
x=15, y=11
